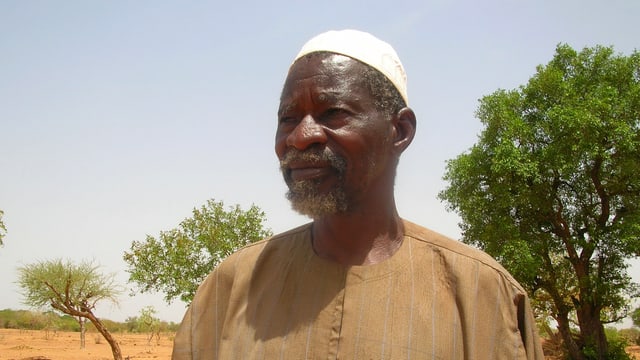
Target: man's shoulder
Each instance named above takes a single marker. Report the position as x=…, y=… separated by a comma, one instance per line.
x=244, y=260
x=281, y=240
x=431, y=237
x=444, y=243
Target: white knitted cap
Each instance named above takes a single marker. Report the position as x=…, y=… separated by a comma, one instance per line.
x=364, y=47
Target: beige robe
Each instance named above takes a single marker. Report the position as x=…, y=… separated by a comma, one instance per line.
x=435, y=298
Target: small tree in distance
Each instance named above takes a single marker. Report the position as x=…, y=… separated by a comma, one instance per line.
x=3, y=228
x=72, y=289
x=148, y=323
x=178, y=260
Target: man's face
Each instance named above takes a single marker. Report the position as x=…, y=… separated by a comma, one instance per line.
x=332, y=142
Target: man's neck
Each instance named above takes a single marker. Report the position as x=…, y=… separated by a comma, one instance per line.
x=358, y=239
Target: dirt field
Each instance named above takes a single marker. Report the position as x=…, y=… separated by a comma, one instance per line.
x=36, y=345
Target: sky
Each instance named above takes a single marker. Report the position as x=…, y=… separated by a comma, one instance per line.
x=117, y=118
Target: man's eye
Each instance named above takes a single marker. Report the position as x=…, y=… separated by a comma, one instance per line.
x=286, y=120
x=334, y=112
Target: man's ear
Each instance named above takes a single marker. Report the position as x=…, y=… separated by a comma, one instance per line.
x=404, y=126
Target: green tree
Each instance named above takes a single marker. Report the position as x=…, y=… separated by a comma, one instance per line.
x=72, y=289
x=178, y=260
x=148, y=323
x=551, y=189
x=3, y=228
x=635, y=317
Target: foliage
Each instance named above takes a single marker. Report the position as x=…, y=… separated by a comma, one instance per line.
x=178, y=260
x=552, y=190
x=631, y=336
x=617, y=346
x=34, y=320
x=66, y=286
x=3, y=228
x=635, y=317
x=148, y=323
x=72, y=289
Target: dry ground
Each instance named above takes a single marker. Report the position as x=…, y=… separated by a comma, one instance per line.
x=38, y=345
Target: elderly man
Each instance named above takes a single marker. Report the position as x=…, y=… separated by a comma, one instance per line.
x=358, y=282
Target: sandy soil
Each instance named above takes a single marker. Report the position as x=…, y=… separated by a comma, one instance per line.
x=38, y=345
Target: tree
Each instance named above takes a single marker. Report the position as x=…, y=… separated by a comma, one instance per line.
x=72, y=289
x=148, y=323
x=551, y=189
x=3, y=228
x=635, y=317
x=179, y=259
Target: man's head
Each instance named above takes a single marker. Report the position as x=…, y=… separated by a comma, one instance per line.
x=342, y=123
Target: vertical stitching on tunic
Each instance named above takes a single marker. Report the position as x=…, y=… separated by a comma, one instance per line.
x=217, y=312
x=310, y=330
x=192, y=343
x=496, y=311
x=292, y=315
x=386, y=314
x=433, y=304
x=339, y=317
x=475, y=310
x=362, y=294
x=456, y=314
x=411, y=302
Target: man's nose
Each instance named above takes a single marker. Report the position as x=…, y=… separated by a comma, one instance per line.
x=306, y=133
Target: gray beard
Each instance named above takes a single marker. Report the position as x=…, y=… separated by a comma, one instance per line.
x=305, y=196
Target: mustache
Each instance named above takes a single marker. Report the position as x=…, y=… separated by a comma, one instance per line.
x=313, y=155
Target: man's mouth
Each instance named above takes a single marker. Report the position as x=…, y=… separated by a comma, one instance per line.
x=313, y=166
x=309, y=172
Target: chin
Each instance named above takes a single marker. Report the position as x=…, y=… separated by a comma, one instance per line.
x=317, y=206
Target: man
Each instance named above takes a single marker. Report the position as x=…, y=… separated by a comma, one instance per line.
x=358, y=282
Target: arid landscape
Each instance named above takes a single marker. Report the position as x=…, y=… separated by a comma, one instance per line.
x=40, y=345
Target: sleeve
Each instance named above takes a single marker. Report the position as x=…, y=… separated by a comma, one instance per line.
x=528, y=332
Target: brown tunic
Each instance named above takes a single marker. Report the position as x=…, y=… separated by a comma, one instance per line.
x=435, y=298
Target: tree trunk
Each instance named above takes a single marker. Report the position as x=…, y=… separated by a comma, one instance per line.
x=83, y=332
x=565, y=331
x=115, y=348
x=592, y=330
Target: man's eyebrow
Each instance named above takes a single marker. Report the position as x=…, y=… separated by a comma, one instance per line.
x=331, y=95
x=326, y=96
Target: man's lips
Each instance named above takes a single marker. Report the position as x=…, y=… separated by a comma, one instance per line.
x=300, y=172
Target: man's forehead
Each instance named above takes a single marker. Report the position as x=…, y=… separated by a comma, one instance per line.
x=363, y=47
x=330, y=72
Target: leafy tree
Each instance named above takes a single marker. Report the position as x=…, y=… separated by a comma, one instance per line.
x=178, y=260
x=131, y=323
x=3, y=228
x=551, y=189
x=635, y=317
x=148, y=323
x=72, y=289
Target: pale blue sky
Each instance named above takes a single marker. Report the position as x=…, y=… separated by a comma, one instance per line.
x=118, y=117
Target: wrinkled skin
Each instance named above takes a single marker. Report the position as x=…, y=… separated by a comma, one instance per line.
x=336, y=147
